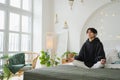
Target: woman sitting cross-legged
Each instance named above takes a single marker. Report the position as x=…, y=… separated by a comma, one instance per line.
x=92, y=54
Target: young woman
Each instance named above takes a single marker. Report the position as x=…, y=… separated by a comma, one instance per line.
x=92, y=54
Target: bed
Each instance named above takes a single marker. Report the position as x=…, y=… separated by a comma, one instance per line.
x=70, y=72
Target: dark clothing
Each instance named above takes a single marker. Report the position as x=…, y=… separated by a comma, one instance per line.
x=91, y=52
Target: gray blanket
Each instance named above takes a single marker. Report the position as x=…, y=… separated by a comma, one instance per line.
x=69, y=72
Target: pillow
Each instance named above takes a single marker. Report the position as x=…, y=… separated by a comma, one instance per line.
x=112, y=56
x=116, y=62
x=119, y=54
x=112, y=66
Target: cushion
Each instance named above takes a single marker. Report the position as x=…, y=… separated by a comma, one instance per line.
x=119, y=54
x=116, y=62
x=18, y=65
x=28, y=64
x=25, y=68
x=15, y=68
x=112, y=56
x=112, y=66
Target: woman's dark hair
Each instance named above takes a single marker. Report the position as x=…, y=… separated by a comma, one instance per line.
x=92, y=30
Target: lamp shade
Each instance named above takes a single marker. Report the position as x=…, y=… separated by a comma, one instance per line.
x=49, y=41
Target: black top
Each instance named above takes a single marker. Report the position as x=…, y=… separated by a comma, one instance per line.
x=91, y=52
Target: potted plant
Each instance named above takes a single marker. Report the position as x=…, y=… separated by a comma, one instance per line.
x=44, y=59
x=6, y=72
x=55, y=61
x=69, y=54
x=66, y=57
x=47, y=61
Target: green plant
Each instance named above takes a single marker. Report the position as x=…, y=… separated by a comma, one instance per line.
x=67, y=53
x=74, y=53
x=6, y=71
x=55, y=61
x=46, y=60
x=4, y=57
x=1, y=76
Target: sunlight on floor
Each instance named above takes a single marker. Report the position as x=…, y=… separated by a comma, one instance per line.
x=16, y=78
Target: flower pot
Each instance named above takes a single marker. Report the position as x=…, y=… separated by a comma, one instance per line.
x=71, y=55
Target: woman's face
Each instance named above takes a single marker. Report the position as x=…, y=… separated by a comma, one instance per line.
x=90, y=34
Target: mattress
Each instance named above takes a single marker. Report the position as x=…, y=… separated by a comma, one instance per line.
x=70, y=72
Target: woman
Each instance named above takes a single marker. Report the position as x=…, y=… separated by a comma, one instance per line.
x=92, y=54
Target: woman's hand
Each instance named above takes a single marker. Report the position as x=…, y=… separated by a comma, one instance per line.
x=103, y=61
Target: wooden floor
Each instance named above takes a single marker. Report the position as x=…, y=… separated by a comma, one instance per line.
x=16, y=78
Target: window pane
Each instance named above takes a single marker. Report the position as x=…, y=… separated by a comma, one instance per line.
x=11, y=54
x=15, y=3
x=13, y=42
x=1, y=41
x=25, y=44
x=2, y=19
x=1, y=62
x=2, y=1
x=26, y=24
x=14, y=22
x=26, y=5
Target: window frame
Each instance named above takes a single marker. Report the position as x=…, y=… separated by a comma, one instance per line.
x=7, y=8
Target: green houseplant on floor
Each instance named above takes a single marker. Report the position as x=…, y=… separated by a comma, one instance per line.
x=6, y=72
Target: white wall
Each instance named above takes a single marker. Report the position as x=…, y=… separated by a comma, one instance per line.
x=43, y=22
x=105, y=20
x=76, y=18
x=37, y=25
x=47, y=19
